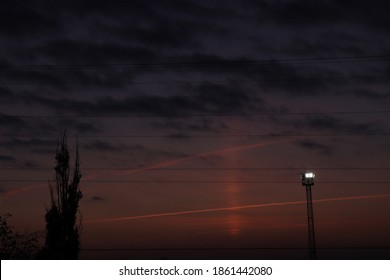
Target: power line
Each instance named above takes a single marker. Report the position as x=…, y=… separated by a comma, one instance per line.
x=223, y=249
x=201, y=169
x=267, y=62
x=200, y=115
x=202, y=181
x=116, y=3
x=234, y=248
x=189, y=82
x=125, y=3
x=201, y=136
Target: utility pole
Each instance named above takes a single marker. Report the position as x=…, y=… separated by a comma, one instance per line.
x=308, y=181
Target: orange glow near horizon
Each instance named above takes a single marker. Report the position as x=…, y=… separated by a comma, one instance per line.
x=199, y=211
x=232, y=192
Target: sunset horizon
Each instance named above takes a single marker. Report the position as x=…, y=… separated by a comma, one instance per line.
x=190, y=123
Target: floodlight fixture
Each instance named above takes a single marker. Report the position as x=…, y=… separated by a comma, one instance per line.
x=307, y=178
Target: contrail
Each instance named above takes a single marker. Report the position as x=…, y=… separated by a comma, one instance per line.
x=163, y=164
x=24, y=189
x=204, y=154
x=387, y=195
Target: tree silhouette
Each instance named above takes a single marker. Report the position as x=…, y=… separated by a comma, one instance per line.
x=62, y=223
x=16, y=245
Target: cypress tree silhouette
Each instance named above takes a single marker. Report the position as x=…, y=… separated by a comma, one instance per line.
x=62, y=223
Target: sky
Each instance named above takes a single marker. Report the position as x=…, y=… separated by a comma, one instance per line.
x=194, y=121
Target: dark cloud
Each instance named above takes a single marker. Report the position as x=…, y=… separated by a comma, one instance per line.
x=78, y=126
x=195, y=9
x=184, y=32
x=372, y=95
x=304, y=12
x=110, y=33
x=26, y=126
x=33, y=144
x=102, y=146
x=107, y=146
x=22, y=163
x=326, y=124
x=22, y=83
x=151, y=153
x=297, y=12
x=179, y=28
x=30, y=164
x=4, y=158
x=54, y=82
x=26, y=20
x=96, y=198
x=11, y=121
x=72, y=53
x=333, y=124
x=135, y=150
x=161, y=35
x=120, y=57
x=179, y=136
x=226, y=99
x=195, y=125
x=5, y=94
x=315, y=146
x=208, y=98
x=295, y=81
x=325, y=44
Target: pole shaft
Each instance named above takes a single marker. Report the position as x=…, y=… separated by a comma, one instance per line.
x=310, y=223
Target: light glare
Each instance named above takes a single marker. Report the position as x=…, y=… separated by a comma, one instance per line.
x=309, y=175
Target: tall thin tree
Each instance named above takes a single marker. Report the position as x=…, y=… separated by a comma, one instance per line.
x=62, y=223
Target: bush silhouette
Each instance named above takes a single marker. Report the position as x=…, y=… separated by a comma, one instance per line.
x=16, y=245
